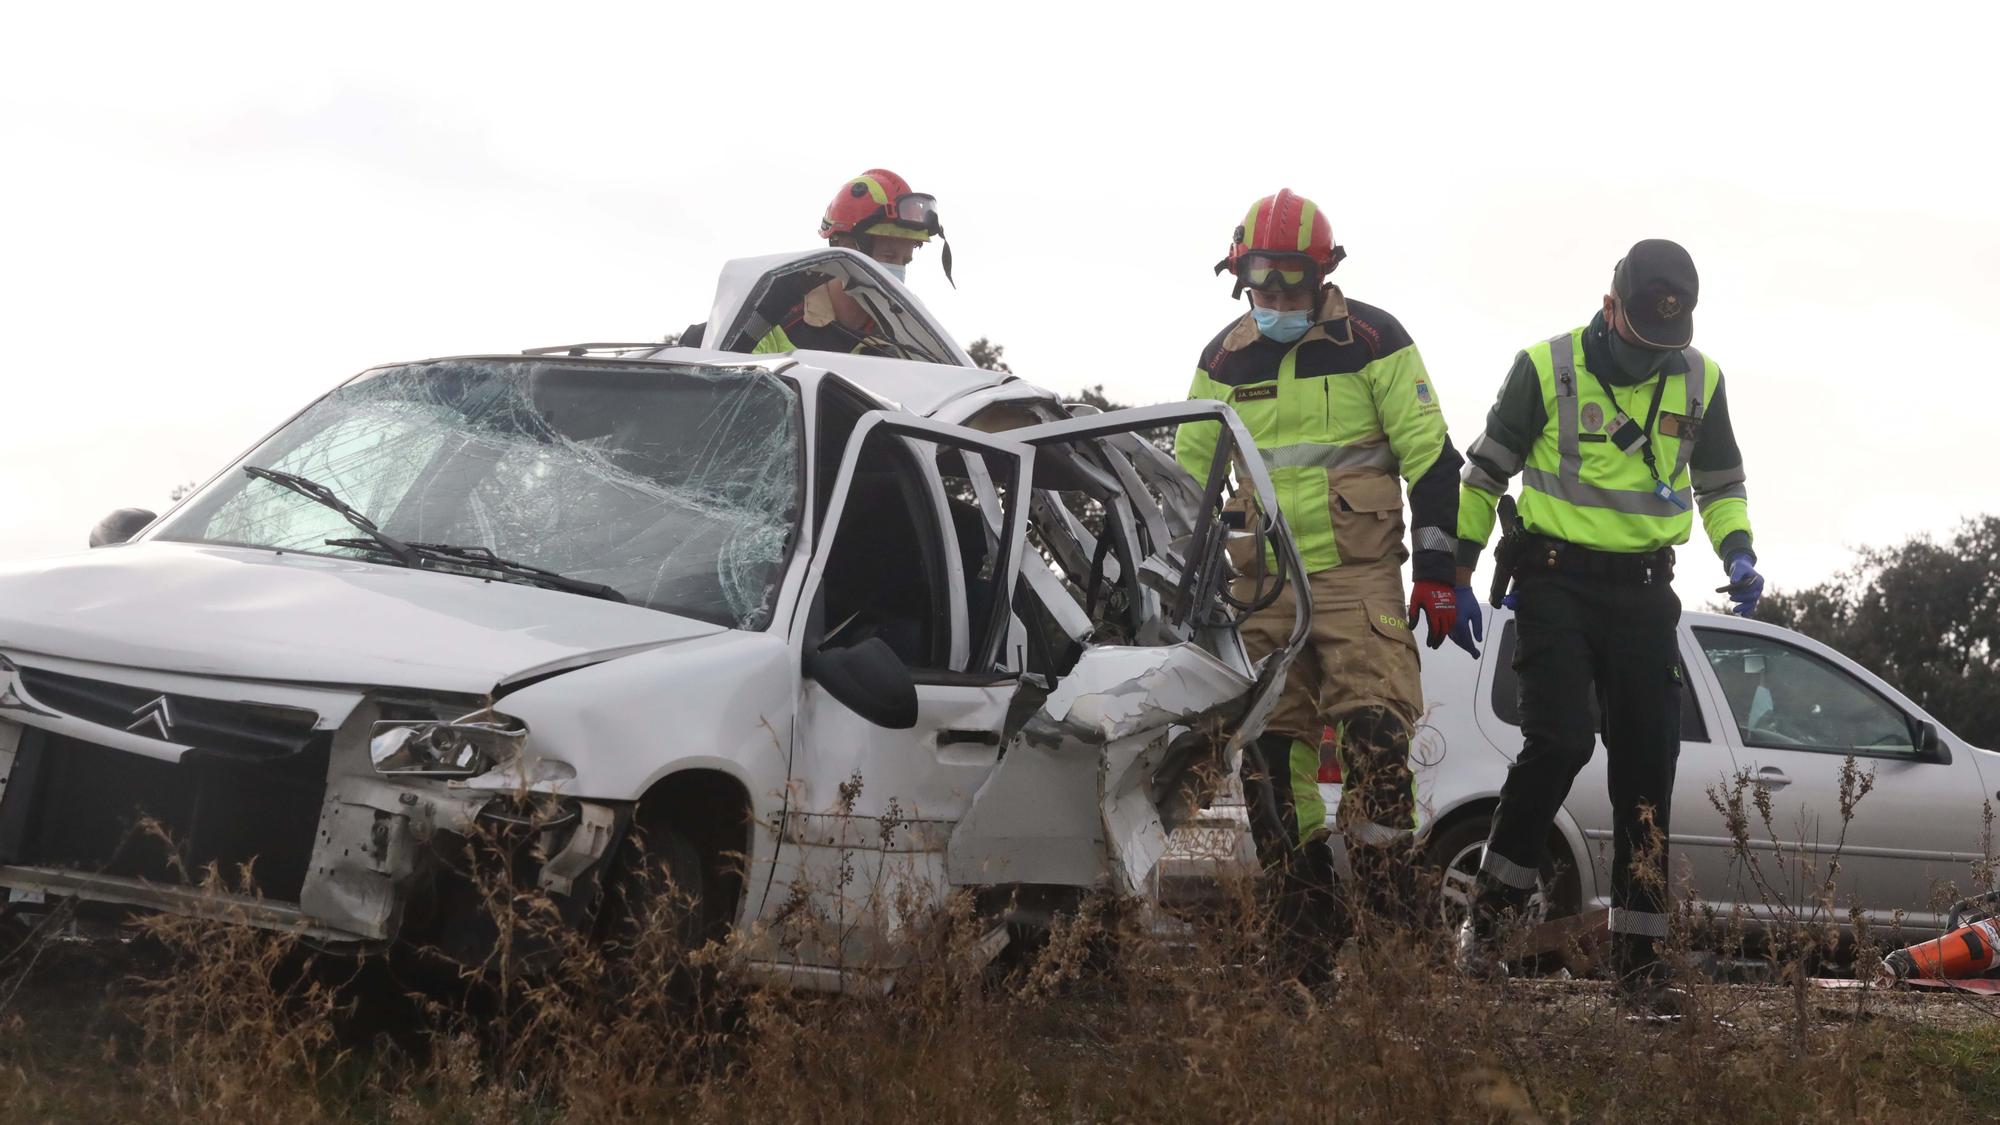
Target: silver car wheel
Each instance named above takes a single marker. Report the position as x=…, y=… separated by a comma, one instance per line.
x=1461, y=871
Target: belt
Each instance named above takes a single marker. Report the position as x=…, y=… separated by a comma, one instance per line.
x=1544, y=553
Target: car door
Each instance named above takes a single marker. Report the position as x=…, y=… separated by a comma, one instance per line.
x=1797, y=711
x=1697, y=837
x=1137, y=656
x=869, y=808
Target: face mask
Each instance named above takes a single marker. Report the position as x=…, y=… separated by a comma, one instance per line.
x=1636, y=362
x=900, y=273
x=1284, y=327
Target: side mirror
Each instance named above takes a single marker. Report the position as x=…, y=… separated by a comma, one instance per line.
x=869, y=679
x=1930, y=748
x=120, y=526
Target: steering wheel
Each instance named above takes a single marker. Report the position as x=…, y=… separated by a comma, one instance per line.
x=1769, y=732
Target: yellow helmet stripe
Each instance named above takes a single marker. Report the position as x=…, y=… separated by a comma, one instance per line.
x=1306, y=214
x=875, y=191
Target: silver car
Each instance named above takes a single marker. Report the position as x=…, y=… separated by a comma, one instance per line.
x=1760, y=701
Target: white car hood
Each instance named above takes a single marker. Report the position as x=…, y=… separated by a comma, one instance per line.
x=256, y=614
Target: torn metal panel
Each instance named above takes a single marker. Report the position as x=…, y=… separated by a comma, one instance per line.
x=588, y=843
x=1072, y=802
x=361, y=859
x=1038, y=819
x=1116, y=691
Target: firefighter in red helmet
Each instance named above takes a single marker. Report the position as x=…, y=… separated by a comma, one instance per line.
x=877, y=214
x=1339, y=404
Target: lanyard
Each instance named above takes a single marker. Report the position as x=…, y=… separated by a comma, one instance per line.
x=1652, y=416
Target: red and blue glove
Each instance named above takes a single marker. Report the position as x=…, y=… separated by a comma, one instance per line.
x=1435, y=600
x=1745, y=584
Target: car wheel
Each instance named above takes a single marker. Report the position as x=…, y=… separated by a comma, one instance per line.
x=1456, y=853
x=655, y=880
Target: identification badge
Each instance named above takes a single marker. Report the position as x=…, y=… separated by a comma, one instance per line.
x=1627, y=435
x=1665, y=492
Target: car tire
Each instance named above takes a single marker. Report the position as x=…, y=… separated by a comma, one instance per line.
x=653, y=864
x=1455, y=853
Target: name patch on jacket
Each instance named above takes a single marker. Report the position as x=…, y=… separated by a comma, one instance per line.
x=1249, y=394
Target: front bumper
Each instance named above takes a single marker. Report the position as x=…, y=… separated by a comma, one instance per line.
x=313, y=843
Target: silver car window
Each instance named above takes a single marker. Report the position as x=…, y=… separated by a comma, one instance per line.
x=1784, y=697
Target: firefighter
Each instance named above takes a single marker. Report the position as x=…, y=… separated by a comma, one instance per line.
x=1338, y=402
x=876, y=214
x=1619, y=430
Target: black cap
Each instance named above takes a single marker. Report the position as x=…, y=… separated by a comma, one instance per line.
x=1656, y=286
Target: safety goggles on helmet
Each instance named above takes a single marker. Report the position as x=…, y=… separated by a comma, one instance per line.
x=1277, y=272
x=914, y=210
x=911, y=215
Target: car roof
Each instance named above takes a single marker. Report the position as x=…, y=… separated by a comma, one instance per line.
x=915, y=386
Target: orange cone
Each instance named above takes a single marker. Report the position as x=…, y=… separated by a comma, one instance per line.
x=1969, y=952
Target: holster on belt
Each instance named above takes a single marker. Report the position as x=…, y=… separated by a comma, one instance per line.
x=1507, y=553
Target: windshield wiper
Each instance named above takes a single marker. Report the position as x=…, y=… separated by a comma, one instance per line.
x=413, y=554
x=485, y=559
x=321, y=494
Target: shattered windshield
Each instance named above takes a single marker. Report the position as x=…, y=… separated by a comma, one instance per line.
x=678, y=486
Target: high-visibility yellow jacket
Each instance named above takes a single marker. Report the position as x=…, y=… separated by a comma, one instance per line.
x=1337, y=416
x=1555, y=425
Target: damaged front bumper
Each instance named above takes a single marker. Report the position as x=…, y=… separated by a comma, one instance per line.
x=314, y=842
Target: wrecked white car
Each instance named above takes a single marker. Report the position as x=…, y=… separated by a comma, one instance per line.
x=818, y=625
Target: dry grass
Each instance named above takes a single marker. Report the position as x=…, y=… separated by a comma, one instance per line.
x=1116, y=1017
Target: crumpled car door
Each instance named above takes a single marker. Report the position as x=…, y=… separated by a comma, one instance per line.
x=1095, y=777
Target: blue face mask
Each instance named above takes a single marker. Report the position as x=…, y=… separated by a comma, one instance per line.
x=1284, y=327
x=900, y=273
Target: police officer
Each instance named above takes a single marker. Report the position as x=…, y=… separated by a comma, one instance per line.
x=1338, y=402
x=1618, y=430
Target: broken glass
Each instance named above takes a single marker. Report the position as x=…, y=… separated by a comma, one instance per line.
x=677, y=485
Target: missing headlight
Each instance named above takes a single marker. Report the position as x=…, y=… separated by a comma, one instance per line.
x=464, y=747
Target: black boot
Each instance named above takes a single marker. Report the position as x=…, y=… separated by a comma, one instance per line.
x=1495, y=909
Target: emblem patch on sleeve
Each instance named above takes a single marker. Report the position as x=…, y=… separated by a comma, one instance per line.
x=1424, y=393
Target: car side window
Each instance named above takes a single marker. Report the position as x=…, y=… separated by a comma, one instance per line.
x=1784, y=697
x=1507, y=693
x=885, y=571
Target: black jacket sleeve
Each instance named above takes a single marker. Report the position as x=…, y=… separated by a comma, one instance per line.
x=1434, y=517
x=1513, y=424
x=1716, y=467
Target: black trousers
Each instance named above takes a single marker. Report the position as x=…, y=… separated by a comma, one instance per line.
x=1613, y=639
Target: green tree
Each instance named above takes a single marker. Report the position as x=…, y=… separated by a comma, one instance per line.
x=1923, y=615
x=985, y=353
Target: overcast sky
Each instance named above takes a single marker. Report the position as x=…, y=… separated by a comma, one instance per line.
x=209, y=214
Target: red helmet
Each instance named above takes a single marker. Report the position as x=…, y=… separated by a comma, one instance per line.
x=1284, y=242
x=879, y=202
